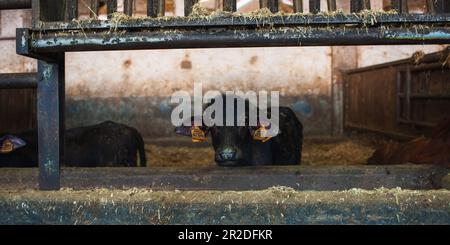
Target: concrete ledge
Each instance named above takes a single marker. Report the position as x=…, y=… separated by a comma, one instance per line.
x=272, y=206
x=418, y=177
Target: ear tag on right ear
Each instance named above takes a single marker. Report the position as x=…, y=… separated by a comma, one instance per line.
x=197, y=134
x=261, y=134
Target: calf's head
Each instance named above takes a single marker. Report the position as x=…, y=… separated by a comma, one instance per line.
x=232, y=144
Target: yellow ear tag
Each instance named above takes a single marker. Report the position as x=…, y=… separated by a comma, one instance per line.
x=197, y=134
x=261, y=134
x=7, y=147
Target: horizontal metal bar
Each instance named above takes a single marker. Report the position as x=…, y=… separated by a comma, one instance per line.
x=275, y=20
x=350, y=126
x=428, y=58
x=221, y=38
x=319, y=178
x=18, y=80
x=423, y=96
x=432, y=66
x=15, y=4
x=418, y=123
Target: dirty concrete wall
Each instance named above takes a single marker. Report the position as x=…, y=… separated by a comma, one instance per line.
x=135, y=87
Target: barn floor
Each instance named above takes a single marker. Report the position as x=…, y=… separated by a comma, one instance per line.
x=317, y=151
x=276, y=205
x=182, y=185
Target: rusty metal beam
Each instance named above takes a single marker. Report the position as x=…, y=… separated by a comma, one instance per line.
x=15, y=4
x=18, y=80
x=200, y=38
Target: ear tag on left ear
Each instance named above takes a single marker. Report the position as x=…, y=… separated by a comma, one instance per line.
x=10, y=143
x=7, y=146
x=197, y=134
x=261, y=134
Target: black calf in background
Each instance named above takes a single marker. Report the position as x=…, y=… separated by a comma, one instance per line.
x=107, y=144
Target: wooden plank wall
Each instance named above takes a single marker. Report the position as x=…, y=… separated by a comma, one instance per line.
x=370, y=101
x=17, y=110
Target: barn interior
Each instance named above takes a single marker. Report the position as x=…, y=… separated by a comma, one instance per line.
x=354, y=95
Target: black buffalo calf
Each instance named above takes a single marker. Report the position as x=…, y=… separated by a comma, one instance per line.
x=237, y=146
x=107, y=144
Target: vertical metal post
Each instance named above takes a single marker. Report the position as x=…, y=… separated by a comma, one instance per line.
x=229, y=5
x=431, y=7
x=359, y=5
x=298, y=6
x=314, y=6
x=331, y=5
x=161, y=8
x=156, y=8
x=36, y=13
x=111, y=7
x=128, y=7
x=93, y=8
x=48, y=10
x=270, y=4
x=188, y=6
x=400, y=6
x=50, y=118
x=408, y=94
x=441, y=6
x=71, y=10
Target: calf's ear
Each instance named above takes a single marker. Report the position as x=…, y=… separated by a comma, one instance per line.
x=183, y=130
x=10, y=143
x=197, y=133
